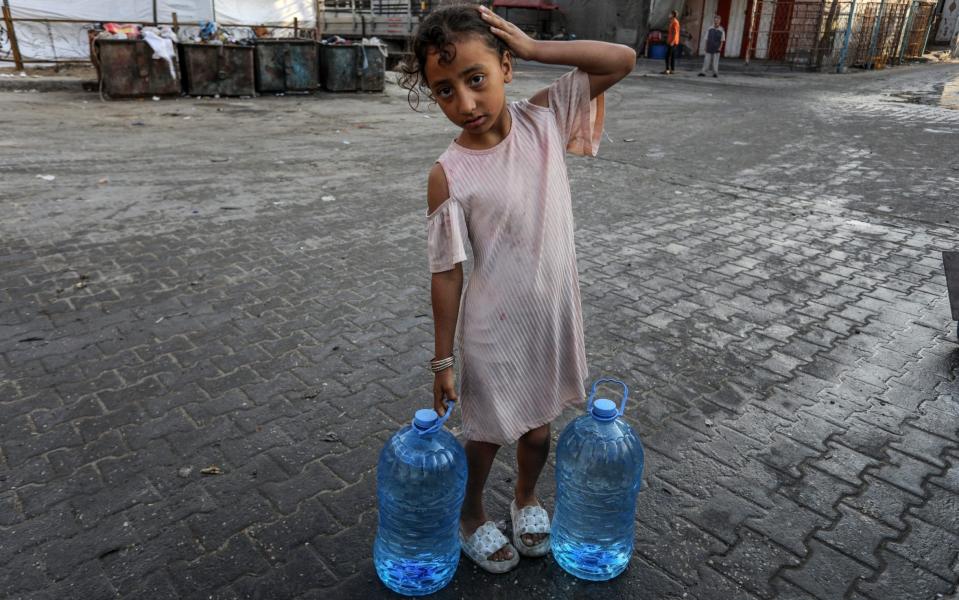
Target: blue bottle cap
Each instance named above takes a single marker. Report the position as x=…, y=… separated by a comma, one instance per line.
x=425, y=418
x=604, y=410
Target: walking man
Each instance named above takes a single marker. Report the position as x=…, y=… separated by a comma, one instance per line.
x=672, y=43
x=714, y=40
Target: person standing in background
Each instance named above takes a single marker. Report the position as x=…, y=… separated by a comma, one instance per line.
x=713, y=40
x=672, y=43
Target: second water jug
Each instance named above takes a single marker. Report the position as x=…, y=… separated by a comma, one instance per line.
x=421, y=483
x=599, y=472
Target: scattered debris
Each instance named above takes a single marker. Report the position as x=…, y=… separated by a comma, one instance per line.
x=80, y=285
x=709, y=422
x=185, y=472
x=156, y=98
x=47, y=177
x=331, y=437
x=328, y=198
x=103, y=181
x=211, y=470
x=864, y=227
x=629, y=140
x=179, y=314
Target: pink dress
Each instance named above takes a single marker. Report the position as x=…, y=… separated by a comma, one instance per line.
x=522, y=359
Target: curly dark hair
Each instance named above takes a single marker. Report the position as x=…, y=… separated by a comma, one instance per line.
x=440, y=30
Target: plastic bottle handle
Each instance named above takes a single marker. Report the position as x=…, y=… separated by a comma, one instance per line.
x=592, y=395
x=439, y=423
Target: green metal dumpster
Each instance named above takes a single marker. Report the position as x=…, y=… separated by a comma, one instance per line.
x=372, y=71
x=218, y=69
x=338, y=68
x=950, y=261
x=351, y=68
x=127, y=69
x=287, y=65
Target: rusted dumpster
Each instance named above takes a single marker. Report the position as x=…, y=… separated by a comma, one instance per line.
x=126, y=69
x=372, y=69
x=287, y=65
x=338, y=68
x=352, y=68
x=950, y=261
x=218, y=69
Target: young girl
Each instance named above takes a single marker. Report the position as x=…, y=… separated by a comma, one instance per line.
x=502, y=184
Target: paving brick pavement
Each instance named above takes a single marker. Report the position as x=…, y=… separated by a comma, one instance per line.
x=245, y=289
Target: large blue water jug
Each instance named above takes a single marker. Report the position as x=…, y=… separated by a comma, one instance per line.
x=599, y=472
x=421, y=482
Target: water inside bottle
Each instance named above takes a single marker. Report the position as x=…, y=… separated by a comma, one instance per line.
x=421, y=481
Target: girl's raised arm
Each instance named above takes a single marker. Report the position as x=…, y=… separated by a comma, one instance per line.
x=605, y=63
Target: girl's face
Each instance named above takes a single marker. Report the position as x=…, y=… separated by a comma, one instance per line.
x=470, y=89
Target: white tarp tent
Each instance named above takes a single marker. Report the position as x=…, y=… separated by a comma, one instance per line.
x=948, y=23
x=257, y=12
x=58, y=41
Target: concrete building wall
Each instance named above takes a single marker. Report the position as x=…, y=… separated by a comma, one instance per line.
x=622, y=21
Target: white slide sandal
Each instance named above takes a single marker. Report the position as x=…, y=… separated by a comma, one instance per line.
x=530, y=520
x=484, y=542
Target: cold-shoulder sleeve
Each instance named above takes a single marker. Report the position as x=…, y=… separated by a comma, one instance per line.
x=446, y=236
x=580, y=119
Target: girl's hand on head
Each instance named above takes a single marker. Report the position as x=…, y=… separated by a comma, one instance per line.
x=444, y=388
x=520, y=44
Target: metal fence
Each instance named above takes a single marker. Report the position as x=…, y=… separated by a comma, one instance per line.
x=376, y=7
x=836, y=34
x=386, y=7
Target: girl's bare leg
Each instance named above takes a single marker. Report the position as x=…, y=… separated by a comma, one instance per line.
x=479, y=460
x=531, y=452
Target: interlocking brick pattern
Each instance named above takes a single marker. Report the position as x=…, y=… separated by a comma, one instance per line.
x=249, y=291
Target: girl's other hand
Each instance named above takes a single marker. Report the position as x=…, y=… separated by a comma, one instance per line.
x=520, y=44
x=444, y=388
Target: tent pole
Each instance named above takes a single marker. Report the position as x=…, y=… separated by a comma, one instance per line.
x=753, y=34
x=841, y=67
x=154, y=13
x=14, y=46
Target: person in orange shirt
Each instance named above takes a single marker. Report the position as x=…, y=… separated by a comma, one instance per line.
x=672, y=43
